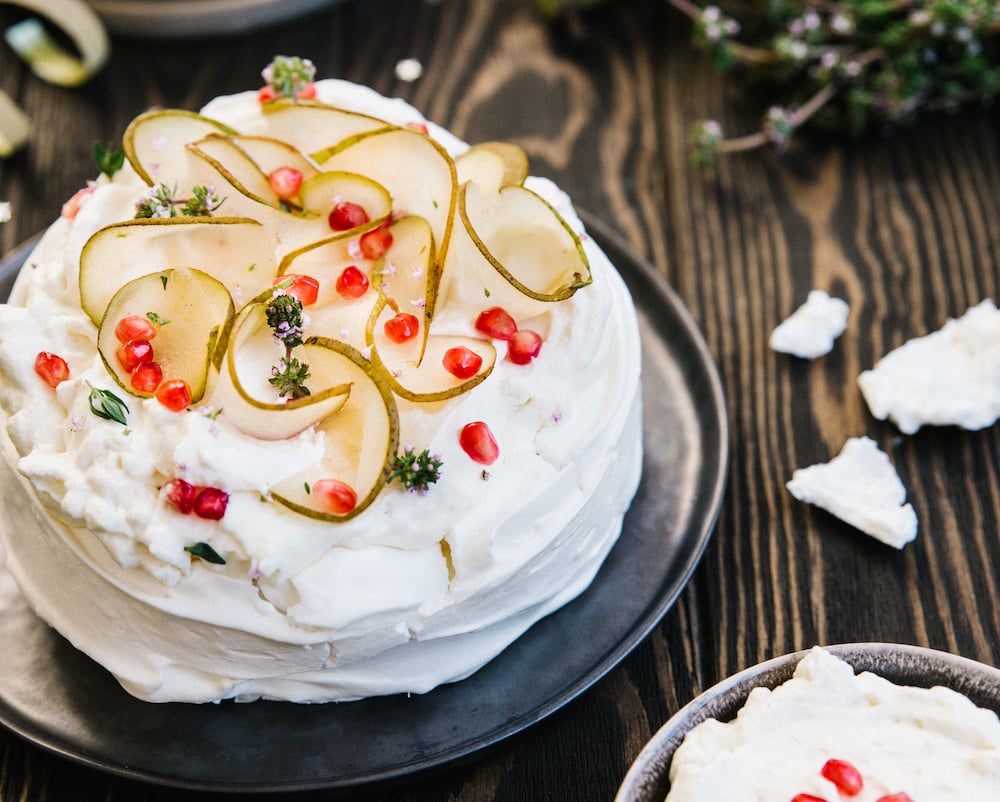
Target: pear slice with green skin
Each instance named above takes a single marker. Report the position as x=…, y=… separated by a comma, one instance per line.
x=197, y=313
x=514, y=250
x=319, y=194
x=415, y=370
x=235, y=250
x=492, y=165
x=252, y=404
x=362, y=440
x=155, y=145
x=416, y=170
x=314, y=127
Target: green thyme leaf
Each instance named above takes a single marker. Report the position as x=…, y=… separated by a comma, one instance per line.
x=206, y=553
x=153, y=317
x=108, y=160
x=105, y=404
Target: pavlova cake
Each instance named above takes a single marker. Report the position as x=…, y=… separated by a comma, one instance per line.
x=307, y=400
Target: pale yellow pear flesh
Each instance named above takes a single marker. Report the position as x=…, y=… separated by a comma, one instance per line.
x=236, y=251
x=313, y=127
x=492, y=165
x=155, y=143
x=197, y=313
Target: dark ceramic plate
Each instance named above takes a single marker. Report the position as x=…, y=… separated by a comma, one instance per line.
x=648, y=778
x=58, y=698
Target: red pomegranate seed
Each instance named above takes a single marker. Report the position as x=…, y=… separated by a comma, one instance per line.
x=807, y=798
x=307, y=92
x=52, y=368
x=352, y=283
x=843, y=775
x=181, y=494
x=134, y=327
x=496, y=323
x=402, y=327
x=210, y=503
x=305, y=288
x=266, y=94
x=523, y=347
x=420, y=128
x=134, y=353
x=338, y=497
x=462, y=362
x=285, y=181
x=346, y=215
x=479, y=443
x=174, y=394
x=902, y=796
x=375, y=243
x=147, y=377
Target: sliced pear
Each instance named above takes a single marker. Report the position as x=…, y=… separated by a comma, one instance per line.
x=416, y=170
x=362, y=440
x=240, y=170
x=513, y=249
x=154, y=144
x=236, y=251
x=415, y=370
x=314, y=127
x=252, y=404
x=492, y=165
x=197, y=311
x=326, y=189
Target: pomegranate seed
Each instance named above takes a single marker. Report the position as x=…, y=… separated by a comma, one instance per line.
x=496, y=323
x=420, y=128
x=346, y=215
x=174, y=394
x=807, y=798
x=134, y=353
x=305, y=288
x=462, y=362
x=843, y=775
x=307, y=92
x=352, y=283
x=902, y=796
x=52, y=368
x=479, y=443
x=211, y=503
x=402, y=327
x=523, y=347
x=375, y=243
x=147, y=377
x=134, y=327
x=338, y=497
x=71, y=208
x=285, y=181
x=266, y=94
x=181, y=494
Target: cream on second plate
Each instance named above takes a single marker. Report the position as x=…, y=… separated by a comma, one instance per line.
x=415, y=591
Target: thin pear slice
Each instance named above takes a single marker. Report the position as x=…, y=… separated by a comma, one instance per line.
x=362, y=440
x=235, y=250
x=416, y=370
x=242, y=172
x=155, y=145
x=416, y=170
x=492, y=165
x=326, y=189
x=512, y=249
x=196, y=313
x=252, y=404
x=314, y=127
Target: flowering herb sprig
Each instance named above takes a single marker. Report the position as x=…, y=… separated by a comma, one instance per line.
x=162, y=201
x=288, y=76
x=284, y=316
x=847, y=65
x=105, y=404
x=416, y=472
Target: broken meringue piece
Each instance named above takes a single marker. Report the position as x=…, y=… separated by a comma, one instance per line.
x=811, y=329
x=860, y=487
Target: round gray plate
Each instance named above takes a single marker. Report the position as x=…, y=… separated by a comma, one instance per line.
x=648, y=779
x=58, y=698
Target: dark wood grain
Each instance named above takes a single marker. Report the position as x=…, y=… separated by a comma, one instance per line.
x=904, y=225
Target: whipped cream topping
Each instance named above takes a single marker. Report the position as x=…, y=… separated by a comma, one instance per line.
x=415, y=591
x=930, y=743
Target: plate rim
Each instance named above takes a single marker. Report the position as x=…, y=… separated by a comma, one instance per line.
x=698, y=528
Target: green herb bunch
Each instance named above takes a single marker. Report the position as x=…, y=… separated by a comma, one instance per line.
x=284, y=316
x=162, y=201
x=847, y=65
x=416, y=472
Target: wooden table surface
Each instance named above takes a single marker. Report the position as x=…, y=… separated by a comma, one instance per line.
x=903, y=226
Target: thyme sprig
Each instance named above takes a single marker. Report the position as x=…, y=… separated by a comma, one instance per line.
x=105, y=404
x=288, y=76
x=284, y=316
x=416, y=472
x=162, y=201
